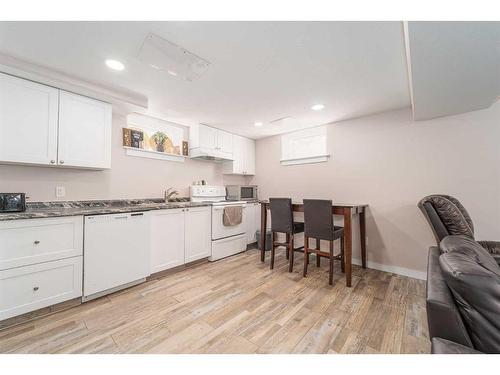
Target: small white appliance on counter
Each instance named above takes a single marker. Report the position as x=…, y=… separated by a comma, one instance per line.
x=116, y=252
x=226, y=240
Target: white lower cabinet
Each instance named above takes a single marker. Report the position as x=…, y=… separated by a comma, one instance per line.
x=167, y=239
x=252, y=219
x=179, y=236
x=250, y=223
x=197, y=233
x=25, y=242
x=40, y=263
x=29, y=288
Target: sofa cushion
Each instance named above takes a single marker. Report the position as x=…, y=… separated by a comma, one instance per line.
x=476, y=290
x=443, y=317
x=442, y=346
x=471, y=248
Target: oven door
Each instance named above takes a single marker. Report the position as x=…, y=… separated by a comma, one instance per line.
x=219, y=230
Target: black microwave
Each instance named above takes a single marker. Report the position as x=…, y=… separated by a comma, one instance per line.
x=12, y=202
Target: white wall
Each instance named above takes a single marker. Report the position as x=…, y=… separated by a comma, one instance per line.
x=391, y=162
x=129, y=177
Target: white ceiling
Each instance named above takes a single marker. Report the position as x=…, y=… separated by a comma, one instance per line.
x=455, y=66
x=260, y=71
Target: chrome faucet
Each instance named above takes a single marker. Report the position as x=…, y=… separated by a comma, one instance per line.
x=169, y=193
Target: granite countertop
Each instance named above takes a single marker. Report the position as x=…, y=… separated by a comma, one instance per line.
x=76, y=208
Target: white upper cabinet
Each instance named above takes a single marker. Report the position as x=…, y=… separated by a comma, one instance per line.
x=243, y=157
x=224, y=142
x=208, y=137
x=249, y=157
x=205, y=140
x=84, y=132
x=43, y=125
x=28, y=121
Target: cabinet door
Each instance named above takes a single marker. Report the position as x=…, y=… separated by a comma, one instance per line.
x=197, y=233
x=250, y=157
x=25, y=289
x=249, y=213
x=238, y=155
x=28, y=121
x=167, y=239
x=84, y=132
x=224, y=142
x=257, y=210
x=208, y=137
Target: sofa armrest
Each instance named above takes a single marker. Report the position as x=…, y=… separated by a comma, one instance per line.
x=493, y=247
x=442, y=346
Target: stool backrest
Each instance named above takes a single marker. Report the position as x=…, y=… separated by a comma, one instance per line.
x=281, y=215
x=318, y=219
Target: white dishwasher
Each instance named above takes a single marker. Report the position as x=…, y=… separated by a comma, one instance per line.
x=116, y=252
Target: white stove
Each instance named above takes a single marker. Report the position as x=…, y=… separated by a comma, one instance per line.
x=226, y=240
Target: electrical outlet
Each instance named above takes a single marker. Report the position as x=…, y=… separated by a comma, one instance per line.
x=60, y=191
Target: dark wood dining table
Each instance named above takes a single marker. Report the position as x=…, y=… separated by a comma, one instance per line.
x=347, y=210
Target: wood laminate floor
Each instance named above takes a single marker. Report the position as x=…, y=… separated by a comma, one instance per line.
x=238, y=305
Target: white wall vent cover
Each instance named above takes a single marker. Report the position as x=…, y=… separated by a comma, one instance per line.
x=166, y=56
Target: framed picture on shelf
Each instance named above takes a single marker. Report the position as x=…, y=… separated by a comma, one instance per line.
x=137, y=137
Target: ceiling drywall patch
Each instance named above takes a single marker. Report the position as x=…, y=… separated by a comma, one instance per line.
x=165, y=56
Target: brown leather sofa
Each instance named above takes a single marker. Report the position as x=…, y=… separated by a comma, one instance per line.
x=463, y=298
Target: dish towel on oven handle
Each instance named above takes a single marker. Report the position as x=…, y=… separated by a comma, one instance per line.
x=233, y=215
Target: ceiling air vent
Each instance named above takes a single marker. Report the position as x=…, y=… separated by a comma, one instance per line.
x=287, y=120
x=170, y=58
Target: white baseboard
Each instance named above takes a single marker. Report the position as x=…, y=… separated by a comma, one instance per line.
x=393, y=269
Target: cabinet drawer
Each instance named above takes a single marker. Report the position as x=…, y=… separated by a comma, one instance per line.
x=29, y=288
x=26, y=242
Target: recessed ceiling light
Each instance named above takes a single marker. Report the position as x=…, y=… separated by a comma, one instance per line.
x=172, y=73
x=258, y=124
x=114, y=64
x=317, y=107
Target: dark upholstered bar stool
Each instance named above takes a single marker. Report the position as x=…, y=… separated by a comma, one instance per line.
x=318, y=221
x=282, y=222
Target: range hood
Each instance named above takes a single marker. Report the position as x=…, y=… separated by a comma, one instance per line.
x=202, y=153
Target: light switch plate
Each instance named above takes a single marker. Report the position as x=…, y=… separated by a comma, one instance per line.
x=60, y=191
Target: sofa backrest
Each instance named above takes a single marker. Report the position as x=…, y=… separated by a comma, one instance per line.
x=473, y=276
x=443, y=317
x=446, y=216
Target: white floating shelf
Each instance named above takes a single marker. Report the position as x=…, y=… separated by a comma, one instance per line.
x=138, y=152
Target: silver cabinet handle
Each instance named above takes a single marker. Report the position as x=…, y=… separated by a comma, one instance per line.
x=52, y=162
x=61, y=161
x=35, y=288
x=36, y=242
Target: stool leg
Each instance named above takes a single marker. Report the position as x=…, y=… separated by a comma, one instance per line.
x=342, y=264
x=318, y=258
x=272, y=249
x=290, y=268
x=287, y=249
x=306, y=255
x=330, y=278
